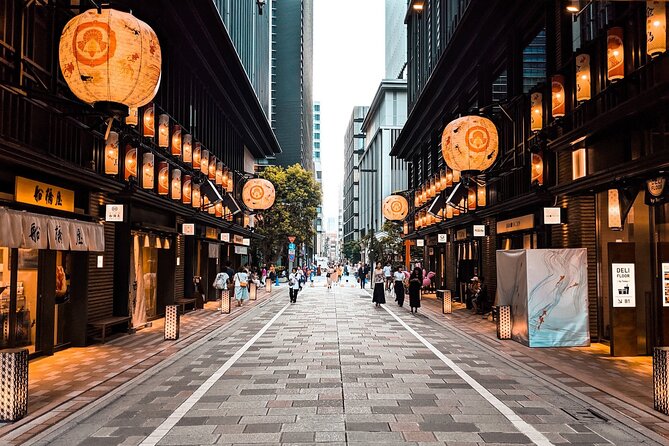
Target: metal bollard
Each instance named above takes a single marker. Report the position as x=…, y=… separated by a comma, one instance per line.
x=13, y=384
x=661, y=379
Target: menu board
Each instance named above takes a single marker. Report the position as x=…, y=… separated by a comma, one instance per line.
x=622, y=285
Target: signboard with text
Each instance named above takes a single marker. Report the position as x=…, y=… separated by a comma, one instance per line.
x=665, y=284
x=45, y=195
x=479, y=230
x=114, y=213
x=622, y=285
x=442, y=238
x=552, y=216
x=188, y=229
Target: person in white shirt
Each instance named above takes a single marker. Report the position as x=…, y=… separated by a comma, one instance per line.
x=293, y=285
x=387, y=273
x=399, y=277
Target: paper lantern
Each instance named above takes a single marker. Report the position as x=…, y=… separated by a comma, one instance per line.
x=176, y=141
x=225, y=301
x=130, y=161
x=579, y=164
x=258, y=194
x=405, y=228
x=147, y=241
x=159, y=245
x=449, y=211
x=416, y=198
x=231, y=186
x=395, y=207
x=219, y=209
x=163, y=178
x=615, y=214
x=110, y=59
x=148, y=121
x=212, y=167
x=197, y=154
x=583, y=77
x=147, y=170
x=444, y=180
x=656, y=28
x=456, y=176
x=481, y=195
x=14, y=383
x=471, y=198
x=196, y=202
x=163, y=131
x=111, y=154
x=207, y=206
x=449, y=177
x=204, y=162
x=186, y=190
x=176, y=184
x=433, y=187
x=615, y=54
x=166, y=245
x=537, y=169
x=219, y=173
x=470, y=143
x=536, y=112
x=171, y=323
x=558, y=107
x=133, y=116
x=187, y=148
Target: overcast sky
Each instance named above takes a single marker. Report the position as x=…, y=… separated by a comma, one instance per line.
x=349, y=59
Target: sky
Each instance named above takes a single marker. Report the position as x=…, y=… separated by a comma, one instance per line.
x=349, y=57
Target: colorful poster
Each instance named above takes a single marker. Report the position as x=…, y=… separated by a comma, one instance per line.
x=665, y=284
x=622, y=285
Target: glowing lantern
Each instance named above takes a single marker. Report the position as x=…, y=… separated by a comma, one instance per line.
x=456, y=176
x=188, y=148
x=110, y=59
x=471, y=198
x=231, y=186
x=537, y=169
x=470, y=143
x=219, y=173
x=133, y=116
x=456, y=211
x=536, y=112
x=416, y=199
x=433, y=188
x=615, y=214
x=163, y=131
x=111, y=154
x=395, y=207
x=656, y=28
x=176, y=141
x=196, y=202
x=449, y=211
x=197, y=154
x=583, y=77
x=615, y=54
x=224, y=179
x=449, y=177
x=186, y=190
x=163, y=178
x=557, y=96
x=481, y=195
x=443, y=179
x=204, y=162
x=258, y=194
x=147, y=170
x=130, y=161
x=148, y=122
x=406, y=228
x=219, y=209
x=207, y=205
x=212, y=167
x=176, y=184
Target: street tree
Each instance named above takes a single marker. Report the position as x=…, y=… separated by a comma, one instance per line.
x=351, y=250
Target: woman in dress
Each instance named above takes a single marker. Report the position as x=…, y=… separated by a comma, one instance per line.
x=241, y=286
x=379, y=280
x=415, y=284
x=398, y=277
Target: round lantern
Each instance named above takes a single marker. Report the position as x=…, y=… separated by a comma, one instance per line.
x=110, y=59
x=470, y=143
x=395, y=207
x=258, y=194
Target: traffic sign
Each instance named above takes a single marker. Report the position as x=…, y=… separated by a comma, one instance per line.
x=291, y=246
x=291, y=257
x=291, y=239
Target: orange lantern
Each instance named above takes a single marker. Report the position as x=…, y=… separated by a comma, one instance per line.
x=219, y=209
x=449, y=177
x=147, y=170
x=197, y=153
x=163, y=130
x=443, y=180
x=449, y=211
x=212, y=167
x=481, y=195
x=196, y=202
x=258, y=194
x=395, y=207
x=187, y=190
x=219, y=173
x=470, y=143
x=188, y=148
x=433, y=187
x=557, y=96
x=204, y=162
x=456, y=176
x=536, y=112
x=471, y=198
x=176, y=141
x=133, y=116
x=583, y=92
x=130, y=161
x=656, y=28
x=163, y=178
x=537, y=169
x=148, y=121
x=615, y=54
x=111, y=154
x=176, y=184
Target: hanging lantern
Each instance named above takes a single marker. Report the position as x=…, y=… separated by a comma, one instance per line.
x=148, y=121
x=536, y=112
x=449, y=211
x=416, y=198
x=395, y=207
x=186, y=190
x=197, y=156
x=481, y=195
x=557, y=96
x=258, y=194
x=111, y=154
x=615, y=54
x=166, y=245
x=130, y=161
x=471, y=198
x=456, y=211
x=163, y=178
x=147, y=241
x=456, y=176
x=224, y=180
x=212, y=167
x=247, y=221
x=615, y=215
x=463, y=205
x=416, y=221
x=219, y=173
x=188, y=148
x=537, y=169
x=176, y=184
x=405, y=228
x=163, y=131
x=444, y=180
x=176, y=141
x=159, y=245
x=219, y=209
x=204, y=162
x=207, y=205
x=110, y=59
x=231, y=186
x=470, y=143
x=449, y=177
x=133, y=116
x=656, y=28
x=147, y=170
x=196, y=202
x=433, y=187
x=583, y=77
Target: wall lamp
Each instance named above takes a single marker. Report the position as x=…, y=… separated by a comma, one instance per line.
x=574, y=7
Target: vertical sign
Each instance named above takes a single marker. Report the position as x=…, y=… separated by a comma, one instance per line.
x=665, y=284
x=622, y=286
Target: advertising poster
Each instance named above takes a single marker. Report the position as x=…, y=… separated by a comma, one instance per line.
x=665, y=284
x=622, y=285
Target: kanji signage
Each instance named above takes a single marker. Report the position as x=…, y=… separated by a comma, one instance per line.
x=188, y=229
x=45, y=195
x=114, y=212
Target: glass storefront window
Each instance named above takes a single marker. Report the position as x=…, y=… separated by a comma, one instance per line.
x=150, y=268
x=26, y=299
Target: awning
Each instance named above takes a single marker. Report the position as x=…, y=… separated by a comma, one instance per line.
x=19, y=229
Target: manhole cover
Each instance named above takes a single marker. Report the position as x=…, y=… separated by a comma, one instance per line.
x=586, y=415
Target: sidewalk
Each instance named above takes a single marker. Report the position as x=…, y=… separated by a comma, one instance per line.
x=621, y=383
x=69, y=380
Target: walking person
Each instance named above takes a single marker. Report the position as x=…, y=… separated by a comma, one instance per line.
x=241, y=280
x=379, y=280
x=220, y=284
x=387, y=274
x=415, y=284
x=399, y=286
x=361, y=276
x=329, y=274
x=293, y=285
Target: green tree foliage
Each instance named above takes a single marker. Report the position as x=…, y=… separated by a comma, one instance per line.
x=351, y=250
x=293, y=213
x=385, y=246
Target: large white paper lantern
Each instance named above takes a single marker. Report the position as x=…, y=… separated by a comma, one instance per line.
x=470, y=143
x=258, y=194
x=656, y=28
x=395, y=207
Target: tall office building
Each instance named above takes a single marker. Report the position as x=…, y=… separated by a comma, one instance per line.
x=318, y=174
x=396, y=39
x=354, y=144
x=291, y=77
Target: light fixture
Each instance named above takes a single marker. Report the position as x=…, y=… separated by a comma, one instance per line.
x=258, y=194
x=471, y=198
x=147, y=170
x=176, y=141
x=166, y=245
x=111, y=154
x=212, y=168
x=433, y=187
x=537, y=169
x=536, y=112
x=449, y=177
x=583, y=92
x=219, y=210
x=196, y=202
x=188, y=148
x=176, y=184
x=219, y=173
x=163, y=178
x=481, y=195
x=163, y=131
x=225, y=299
x=656, y=28
x=443, y=180
x=130, y=161
x=558, y=107
x=231, y=186
x=133, y=116
x=578, y=164
x=159, y=245
x=395, y=208
x=204, y=162
x=449, y=211
x=456, y=176
x=504, y=322
x=148, y=121
x=418, y=6
x=186, y=190
x=470, y=144
x=447, y=302
x=615, y=214
x=406, y=228
x=147, y=242
x=574, y=7
x=197, y=154
x=615, y=54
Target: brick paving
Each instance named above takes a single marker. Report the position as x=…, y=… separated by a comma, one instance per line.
x=333, y=369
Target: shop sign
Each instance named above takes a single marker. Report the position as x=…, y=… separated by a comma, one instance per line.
x=238, y=239
x=114, y=213
x=442, y=238
x=479, y=230
x=516, y=224
x=44, y=195
x=431, y=252
x=246, y=242
x=188, y=229
x=665, y=284
x=461, y=234
x=225, y=237
x=656, y=191
x=211, y=233
x=552, y=216
x=243, y=250
x=420, y=242
x=624, y=291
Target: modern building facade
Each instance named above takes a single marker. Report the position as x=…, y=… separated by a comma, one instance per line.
x=292, y=80
x=395, y=39
x=318, y=174
x=596, y=148
x=354, y=145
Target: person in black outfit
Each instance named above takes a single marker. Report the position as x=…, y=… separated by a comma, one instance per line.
x=415, y=284
x=479, y=296
x=398, y=278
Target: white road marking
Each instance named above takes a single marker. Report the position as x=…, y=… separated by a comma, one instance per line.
x=171, y=421
x=523, y=427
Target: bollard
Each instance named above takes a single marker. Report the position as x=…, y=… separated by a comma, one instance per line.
x=268, y=285
x=504, y=322
x=661, y=379
x=172, y=321
x=13, y=384
x=225, y=301
x=447, y=302
x=253, y=291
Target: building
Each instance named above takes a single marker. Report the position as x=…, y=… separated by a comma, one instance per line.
x=156, y=240
x=381, y=174
x=292, y=81
x=354, y=143
x=596, y=151
x=318, y=174
x=395, y=39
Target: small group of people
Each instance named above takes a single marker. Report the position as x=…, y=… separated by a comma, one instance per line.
x=333, y=274
x=385, y=280
x=240, y=281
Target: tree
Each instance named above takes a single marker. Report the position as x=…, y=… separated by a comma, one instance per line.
x=351, y=250
x=293, y=213
x=391, y=242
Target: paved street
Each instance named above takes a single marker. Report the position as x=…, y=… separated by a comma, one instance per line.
x=333, y=369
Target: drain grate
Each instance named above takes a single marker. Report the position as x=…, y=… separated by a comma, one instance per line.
x=586, y=415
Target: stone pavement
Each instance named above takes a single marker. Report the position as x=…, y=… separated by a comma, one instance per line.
x=333, y=369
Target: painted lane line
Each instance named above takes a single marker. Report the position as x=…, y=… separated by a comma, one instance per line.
x=523, y=427
x=171, y=421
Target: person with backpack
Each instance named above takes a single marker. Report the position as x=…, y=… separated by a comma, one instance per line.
x=293, y=285
x=241, y=280
x=220, y=284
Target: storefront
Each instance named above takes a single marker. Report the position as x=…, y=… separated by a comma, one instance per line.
x=520, y=233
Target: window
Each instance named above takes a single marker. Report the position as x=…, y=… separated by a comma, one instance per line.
x=317, y=145
x=534, y=62
x=317, y=107
x=317, y=155
x=317, y=136
x=319, y=175
x=317, y=126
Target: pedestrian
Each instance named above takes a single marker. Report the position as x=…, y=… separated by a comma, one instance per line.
x=339, y=274
x=330, y=274
x=388, y=275
x=220, y=284
x=241, y=280
x=319, y=273
x=272, y=274
x=415, y=284
x=264, y=275
x=399, y=286
x=480, y=296
x=293, y=285
x=379, y=280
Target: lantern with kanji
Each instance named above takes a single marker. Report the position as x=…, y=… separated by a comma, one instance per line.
x=656, y=28
x=583, y=92
x=557, y=96
x=536, y=112
x=395, y=207
x=111, y=154
x=176, y=184
x=176, y=141
x=186, y=189
x=470, y=144
x=163, y=178
x=258, y=194
x=615, y=54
